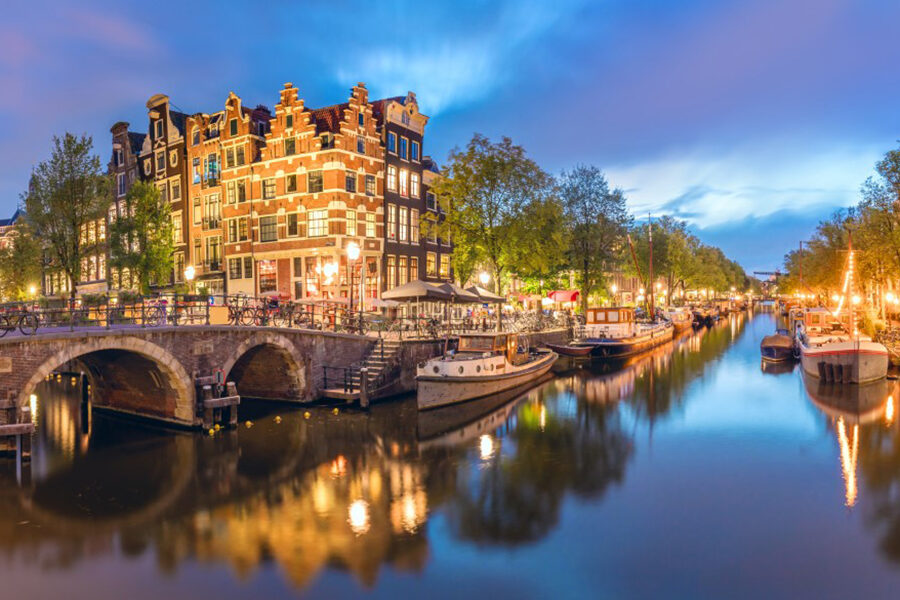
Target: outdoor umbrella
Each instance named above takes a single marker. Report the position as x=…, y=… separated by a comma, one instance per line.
x=416, y=290
x=485, y=295
x=459, y=295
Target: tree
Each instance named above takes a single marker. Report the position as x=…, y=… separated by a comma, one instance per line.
x=64, y=194
x=141, y=238
x=500, y=210
x=20, y=264
x=596, y=221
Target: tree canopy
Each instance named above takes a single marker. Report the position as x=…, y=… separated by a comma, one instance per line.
x=66, y=192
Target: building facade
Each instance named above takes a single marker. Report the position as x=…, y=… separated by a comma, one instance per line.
x=273, y=202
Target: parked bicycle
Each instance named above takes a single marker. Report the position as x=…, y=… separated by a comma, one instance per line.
x=26, y=322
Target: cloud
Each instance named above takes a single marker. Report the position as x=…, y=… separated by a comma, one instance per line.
x=452, y=65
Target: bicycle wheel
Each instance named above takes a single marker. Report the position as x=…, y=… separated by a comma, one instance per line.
x=279, y=319
x=153, y=316
x=248, y=316
x=175, y=317
x=4, y=325
x=28, y=324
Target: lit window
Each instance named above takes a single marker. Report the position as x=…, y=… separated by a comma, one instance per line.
x=392, y=222
x=404, y=224
x=370, y=225
x=392, y=178
x=317, y=223
x=414, y=185
x=414, y=226
x=404, y=182
x=403, y=274
x=370, y=185
x=351, y=222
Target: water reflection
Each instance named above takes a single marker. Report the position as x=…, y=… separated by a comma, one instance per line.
x=394, y=490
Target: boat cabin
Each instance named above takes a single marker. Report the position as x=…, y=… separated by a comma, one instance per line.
x=492, y=343
x=609, y=315
x=821, y=320
x=609, y=321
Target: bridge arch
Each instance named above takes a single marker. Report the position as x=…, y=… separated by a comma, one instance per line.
x=129, y=374
x=267, y=366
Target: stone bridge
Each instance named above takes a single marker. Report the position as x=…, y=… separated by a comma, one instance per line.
x=150, y=372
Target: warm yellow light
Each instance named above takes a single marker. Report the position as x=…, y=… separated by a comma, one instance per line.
x=855, y=300
x=483, y=277
x=889, y=297
x=189, y=273
x=358, y=516
x=889, y=410
x=613, y=288
x=32, y=290
x=835, y=297
x=641, y=291
x=732, y=288
x=352, y=251
x=486, y=447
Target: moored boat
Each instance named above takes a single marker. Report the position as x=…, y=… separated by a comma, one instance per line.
x=573, y=349
x=613, y=332
x=833, y=350
x=484, y=364
x=777, y=347
x=681, y=318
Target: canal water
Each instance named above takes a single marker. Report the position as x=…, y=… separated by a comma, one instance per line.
x=691, y=472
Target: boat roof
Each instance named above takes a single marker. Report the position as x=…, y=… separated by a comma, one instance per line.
x=490, y=334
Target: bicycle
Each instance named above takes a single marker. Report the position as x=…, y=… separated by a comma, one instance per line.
x=26, y=322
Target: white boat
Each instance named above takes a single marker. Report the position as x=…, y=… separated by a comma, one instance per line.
x=614, y=332
x=832, y=349
x=484, y=364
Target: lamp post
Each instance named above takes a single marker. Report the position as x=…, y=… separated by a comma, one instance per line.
x=483, y=277
x=189, y=273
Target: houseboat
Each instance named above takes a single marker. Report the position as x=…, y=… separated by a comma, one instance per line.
x=832, y=349
x=614, y=332
x=483, y=364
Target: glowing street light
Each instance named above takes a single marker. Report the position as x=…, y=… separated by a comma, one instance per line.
x=483, y=277
x=32, y=290
x=189, y=273
x=613, y=288
x=855, y=299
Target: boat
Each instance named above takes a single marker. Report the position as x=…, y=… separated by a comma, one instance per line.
x=614, y=332
x=483, y=364
x=832, y=349
x=705, y=316
x=681, y=318
x=574, y=349
x=777, y=347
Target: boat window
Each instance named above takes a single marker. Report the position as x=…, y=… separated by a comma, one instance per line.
x=476, y=343
x=599, y=315
x=613, y=316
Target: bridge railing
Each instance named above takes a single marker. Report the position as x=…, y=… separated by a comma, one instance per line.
x=133, y=310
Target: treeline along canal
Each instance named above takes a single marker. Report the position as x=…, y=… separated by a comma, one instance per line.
x=690, y=468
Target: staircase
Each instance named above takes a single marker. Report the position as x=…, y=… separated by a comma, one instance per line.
x=382, y=356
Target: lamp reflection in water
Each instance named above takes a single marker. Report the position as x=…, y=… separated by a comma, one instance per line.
x=889, y=410
x=848, y=459
x=486, y=447
x=358, y=516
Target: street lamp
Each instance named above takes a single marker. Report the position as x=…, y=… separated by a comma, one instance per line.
x=352, y=255
x=484, y=278
x=32, y=290
x=189, y=273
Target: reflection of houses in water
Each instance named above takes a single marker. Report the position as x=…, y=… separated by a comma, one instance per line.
x=849, y=407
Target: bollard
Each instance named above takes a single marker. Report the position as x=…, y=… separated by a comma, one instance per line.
x=364, y=387
x=232, y=410
x=206, y=394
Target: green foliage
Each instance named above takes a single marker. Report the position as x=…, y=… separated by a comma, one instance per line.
x=141, y=238
x=596, y=221
x=20, y=264
x=500, y=211
x=64, y=193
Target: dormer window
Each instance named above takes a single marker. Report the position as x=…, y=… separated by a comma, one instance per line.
x=404, y=118
x=232, y=127
x=158, y=129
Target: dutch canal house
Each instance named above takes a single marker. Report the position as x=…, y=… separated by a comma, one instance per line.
x=267, y=202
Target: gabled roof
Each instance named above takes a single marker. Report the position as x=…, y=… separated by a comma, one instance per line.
x=12, y=220
x=378, y=106
x=328, y=118
x=136, y=140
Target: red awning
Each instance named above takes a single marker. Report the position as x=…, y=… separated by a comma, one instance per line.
x=563, y=295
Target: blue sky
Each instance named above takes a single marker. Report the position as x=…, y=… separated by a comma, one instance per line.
x=751, y=119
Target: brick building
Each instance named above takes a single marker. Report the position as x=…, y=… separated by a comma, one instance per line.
x=267, y=202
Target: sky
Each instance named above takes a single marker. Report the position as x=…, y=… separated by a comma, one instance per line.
x=752, y=120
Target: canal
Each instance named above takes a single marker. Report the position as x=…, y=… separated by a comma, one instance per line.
x=687, y=473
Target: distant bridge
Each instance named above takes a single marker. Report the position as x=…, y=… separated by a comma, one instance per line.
x=151, y=372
